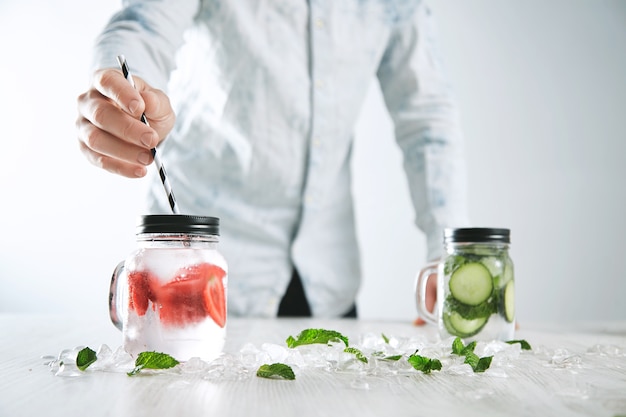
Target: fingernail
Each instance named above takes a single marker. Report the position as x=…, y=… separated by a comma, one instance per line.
x=148, y=139
x=143, y=158
x=140, y=172
x=133, y=106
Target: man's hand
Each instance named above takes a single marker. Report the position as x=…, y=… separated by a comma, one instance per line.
x=431, y=297
x=110, y=132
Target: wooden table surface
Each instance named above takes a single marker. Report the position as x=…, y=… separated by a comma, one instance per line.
x=571, y=371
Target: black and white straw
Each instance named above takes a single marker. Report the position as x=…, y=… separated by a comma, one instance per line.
x=166, y=184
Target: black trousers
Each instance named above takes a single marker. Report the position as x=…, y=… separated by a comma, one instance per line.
x=295, y=304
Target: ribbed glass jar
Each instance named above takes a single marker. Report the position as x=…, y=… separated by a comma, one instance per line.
x=170, y=294
x=477, y=284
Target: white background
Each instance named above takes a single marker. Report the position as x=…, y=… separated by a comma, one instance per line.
x=541, y=87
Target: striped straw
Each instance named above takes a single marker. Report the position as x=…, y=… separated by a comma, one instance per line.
x=166, y=184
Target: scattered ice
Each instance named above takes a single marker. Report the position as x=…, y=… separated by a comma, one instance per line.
x=606, y=350
x=562, y=358
x=459, y=369
x=382, y=365
x=275, y=353
x=194, y=366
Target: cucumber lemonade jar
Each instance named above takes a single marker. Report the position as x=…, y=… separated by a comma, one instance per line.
x=475, y=285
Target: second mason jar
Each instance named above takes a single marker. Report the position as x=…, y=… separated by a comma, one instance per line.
x=475, y=285
x=170, y=294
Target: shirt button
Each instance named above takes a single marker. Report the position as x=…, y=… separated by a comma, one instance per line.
x=319, y=84
x=319, y=23
x=316, y=141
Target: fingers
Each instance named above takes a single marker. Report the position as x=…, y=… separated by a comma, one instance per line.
x=112, y=84
x=110, y=153
x=110, y=134
x=419, y=322
x=114, y=106
x=431, y=292
x=135, y=101
x=113, y=165
x=431, y=297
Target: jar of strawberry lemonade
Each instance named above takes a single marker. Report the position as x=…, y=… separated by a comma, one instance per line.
x=169, y=295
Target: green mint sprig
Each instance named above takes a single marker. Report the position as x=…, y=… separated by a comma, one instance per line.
x=312, y=336
x=458, y=348
x=359, y=355
x=153, y=360
x=85, y=357
x=381, y=356
x=478, y=364
x=424, y=364
x=523, y=343
x=276, y=371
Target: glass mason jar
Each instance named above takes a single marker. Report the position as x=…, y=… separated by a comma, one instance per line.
x=169, y=295
x=475, y=285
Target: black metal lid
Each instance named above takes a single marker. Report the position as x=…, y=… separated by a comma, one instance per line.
x=477, y=234
x=178, y=223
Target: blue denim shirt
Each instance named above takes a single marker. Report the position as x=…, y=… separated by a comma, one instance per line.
x=267, y=95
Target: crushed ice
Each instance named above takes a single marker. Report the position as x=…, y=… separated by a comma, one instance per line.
x=381, y=353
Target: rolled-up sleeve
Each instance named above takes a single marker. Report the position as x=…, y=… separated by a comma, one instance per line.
x=421, y=105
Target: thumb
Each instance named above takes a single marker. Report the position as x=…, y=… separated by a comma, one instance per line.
x=158, y=109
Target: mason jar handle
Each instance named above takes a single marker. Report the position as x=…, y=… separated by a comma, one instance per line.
x=420, y=292
x=116, y=303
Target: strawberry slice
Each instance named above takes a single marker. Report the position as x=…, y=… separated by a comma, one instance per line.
x=183, y=300
x=139, y=291
x=214, y=292
x=180, y=301
x=215, y=298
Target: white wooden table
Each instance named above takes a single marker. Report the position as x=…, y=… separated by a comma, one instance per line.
x=574, y=371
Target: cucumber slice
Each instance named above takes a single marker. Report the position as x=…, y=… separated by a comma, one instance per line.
x=509, y=301
x=471, y=284
x=458, y=326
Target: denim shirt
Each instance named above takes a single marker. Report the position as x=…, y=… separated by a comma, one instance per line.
x=267, y=94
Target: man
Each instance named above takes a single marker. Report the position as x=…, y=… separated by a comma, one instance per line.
x=266, y=95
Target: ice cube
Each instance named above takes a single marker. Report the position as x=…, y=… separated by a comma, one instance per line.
x=276, y=353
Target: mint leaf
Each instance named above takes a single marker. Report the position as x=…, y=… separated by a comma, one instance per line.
x=524, y=344
x=483, y=364
x=85, y=357
x=153, y=360
x=276, y=371
x=381, y=355
x=458, y=348
x=478, y=364
x=472, y=359
x=482, y=310
x=311, y=336
x=453, y=263
x=424, y=364
x=392, y=358
x=385, y=338
x=359, y=355
x=469, y=348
